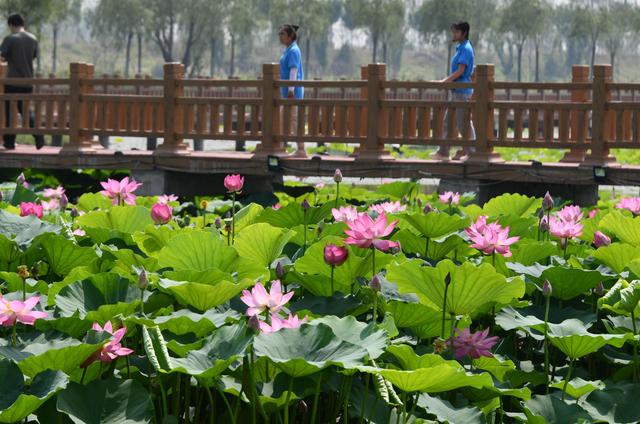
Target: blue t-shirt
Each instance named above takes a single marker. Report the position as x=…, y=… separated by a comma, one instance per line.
x=291, y=58
x=464, y=56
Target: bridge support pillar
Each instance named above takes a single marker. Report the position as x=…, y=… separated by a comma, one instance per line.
x=583, y=195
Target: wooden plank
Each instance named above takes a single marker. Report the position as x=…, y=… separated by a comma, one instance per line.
x=563, y=125
x=228, y=118
x=619, y=125
x=533, y=124
x=302, y=120
x=502, y=124
x=635, y=137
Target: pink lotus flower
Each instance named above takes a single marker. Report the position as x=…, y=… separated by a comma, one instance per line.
x=161, y=213
x=570, y=214
x=21, y=180
x=593, y=213
x=79, y=232
x=564, y=229
x=319, y=186
x=600, y=239
x=335, y=255
x=120, y=192
x=50, y=205
x=474, y=345
x=112, y=349
x=491, y=238
x=631, y=204
x=53, y=193
x=18, y=311
x=276, y=206
x=259, y=300
x=277, y=323
x=450, y=197
x=345, y=214
x=233, y=183
x=167, y=198
x=30, y=208
x=365, y=232
x=388, y=207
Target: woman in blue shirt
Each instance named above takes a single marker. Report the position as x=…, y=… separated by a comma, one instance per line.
x=461, y=71
x=291, y=70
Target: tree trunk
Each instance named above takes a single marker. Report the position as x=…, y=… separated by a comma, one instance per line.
x=384, y=52
x=537, y=61
x=54, y=49
x=307, y=54
x=38, y=58
x=374, y=40
x=447, y=66
x=232, y=65
x=127, y=54
x=593, y=54
x=520, y=47
x=139, y=53
x=212, y=63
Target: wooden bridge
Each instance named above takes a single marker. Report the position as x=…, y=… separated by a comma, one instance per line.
x=585, y=118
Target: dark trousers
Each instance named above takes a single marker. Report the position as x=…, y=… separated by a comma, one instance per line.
x=10, y=139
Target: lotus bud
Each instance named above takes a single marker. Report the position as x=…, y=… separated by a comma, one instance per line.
x=335, y=255
x=404, y=200
x=204, y=204
x=74, y=213
x=218, y=223
x=227, y=226
x=337, y=176
x=305, y=205
x=599, y=290
x=143, y=280
x=547, y=289
x=419, y=202
x=440, y=346
x=254, y=323
x=447, y=279
x=600, y=239
x=23, y=272
x=375, y=284
x=64, y=201
x=280, y=271
x=21, y=180
x=427, y=208
x=547, y=202
x=541, y=213
x=544, y=224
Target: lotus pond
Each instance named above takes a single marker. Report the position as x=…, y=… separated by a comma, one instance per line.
x=343, y=305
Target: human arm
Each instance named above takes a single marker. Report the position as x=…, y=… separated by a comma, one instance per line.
x=293, y=76
x=457, y=74
x=4, y=49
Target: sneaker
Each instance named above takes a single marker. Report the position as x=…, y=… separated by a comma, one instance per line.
x=39, y=142
x=461, y=154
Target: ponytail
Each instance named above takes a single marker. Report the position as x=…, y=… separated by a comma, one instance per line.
x=291, y=30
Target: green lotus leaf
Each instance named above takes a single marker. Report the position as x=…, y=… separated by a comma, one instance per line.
x=438, y=249
x=573, y=339
x=106, y=402
x=496, y=366
x=98, y=298
x=220, y=351
x=125, y=219
x=446, y=412
x=10, y=254
x=262, y=243
x=434, y=224
x=21, y=194
x=247, y=216
x=471, y=286
x=23, y=230
x=127, y=259
x=308, y=349
x=203, y=296
x=156, y=348
x=511, y=204
x=92, y=201
x=551, y=409
x=203, y=251
x=413, y=314
x=435, y=379
x=292, y=215
x=528, y=252
x=617, y=403
x=17, y=401
x=351, y=330
x=577, y=387
x=625, y=229
x=397, y=189
x=617, y=255
x=63, y=255
x=622, y=298
x=40, y=352
x=154, y=238
x=409, y=360
x=185, y=321
x=567, y=283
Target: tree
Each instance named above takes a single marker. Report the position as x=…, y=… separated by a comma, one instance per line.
x=617, y=23
x=59, y=12
x=120, y=20
x=241, y=23
x=377, y=17
x=520, y=20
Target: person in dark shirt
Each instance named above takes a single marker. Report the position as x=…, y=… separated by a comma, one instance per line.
x=18, y=50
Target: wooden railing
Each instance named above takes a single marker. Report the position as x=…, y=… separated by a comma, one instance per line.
x=586, y=116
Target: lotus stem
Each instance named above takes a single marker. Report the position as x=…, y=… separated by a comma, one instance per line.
x=635, y=347
x=84, y=372
x=337, y=194
x=375, y=306
x=226, y=402
x=316, y=398
x=233, y=219
x=163, y=393
x=304, y=244
x=176, y=394
x=24, y=289
x=142, y=302
x=426, y=249
x=365, y=397
x=187, y=399
x=567, y=378
x=493, y=259
x=373, y=261
x=546, y=341
x=14, y=335
x=444, y=308
x=286, y=402
x=333, y=268
x=212, y=402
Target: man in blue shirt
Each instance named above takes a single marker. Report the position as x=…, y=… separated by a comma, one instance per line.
x=461, y=71
x=291, y=69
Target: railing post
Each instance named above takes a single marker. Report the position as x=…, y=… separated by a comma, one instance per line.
x=373, y=149
x=270, y=113
x=579, y=74
x=173, y=143
x=600, y=118
x=78, y=113
x=483, y=116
